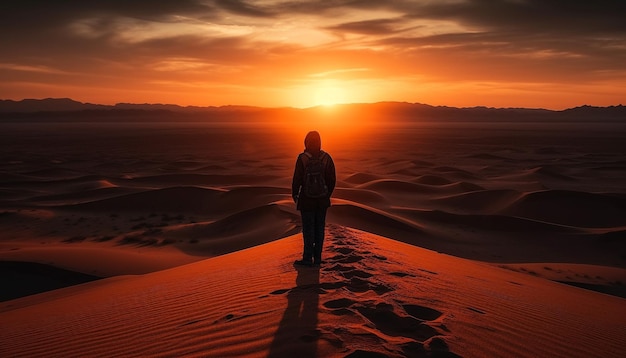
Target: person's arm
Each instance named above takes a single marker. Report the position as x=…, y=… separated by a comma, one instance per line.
x=296, y=183
x=331, y=177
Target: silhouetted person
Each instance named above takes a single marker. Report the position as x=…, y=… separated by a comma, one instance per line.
x=313, y=183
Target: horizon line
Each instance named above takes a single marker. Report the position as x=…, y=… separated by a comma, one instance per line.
x=305, y=108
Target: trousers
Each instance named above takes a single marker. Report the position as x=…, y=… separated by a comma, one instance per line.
x=313, y=231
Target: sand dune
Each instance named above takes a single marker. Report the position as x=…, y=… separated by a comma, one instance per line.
x=360, y=178
x=189, y=179
x=483, y=201
x=388, y=185
x=571, y=208
x=432, y=180
x=27, y=278
x=173, y=199
x=8, y=177
x=488, y=222
x=350, y=214
x=188, y=199
x=82, y=196
x=457, y=173
x=54, y=172
x=553, y=171
x=370, y=298
x=247, y=197
x=520, y=219
x=364, y=196
x=235, y=232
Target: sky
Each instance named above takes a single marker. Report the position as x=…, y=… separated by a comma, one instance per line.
x=552, y=54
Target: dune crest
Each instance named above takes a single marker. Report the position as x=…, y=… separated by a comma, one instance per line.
x=533, y=213
x=372, y=296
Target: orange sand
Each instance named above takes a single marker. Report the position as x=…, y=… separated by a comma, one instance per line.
x=194, y=232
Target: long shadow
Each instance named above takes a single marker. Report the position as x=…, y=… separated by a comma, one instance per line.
x=297, y=332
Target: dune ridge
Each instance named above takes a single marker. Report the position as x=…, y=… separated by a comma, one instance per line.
x=373, y=296
x=189, y=216
x=198, y=222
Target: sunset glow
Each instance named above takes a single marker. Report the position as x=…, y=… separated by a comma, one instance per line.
x=272, y=53
x=330, y=93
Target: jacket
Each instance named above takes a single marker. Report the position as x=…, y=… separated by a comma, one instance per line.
x=302, y=201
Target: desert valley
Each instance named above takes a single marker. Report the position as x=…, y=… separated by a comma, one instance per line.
x=445, y=239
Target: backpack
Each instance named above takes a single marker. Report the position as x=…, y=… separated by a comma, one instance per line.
x=314, y=184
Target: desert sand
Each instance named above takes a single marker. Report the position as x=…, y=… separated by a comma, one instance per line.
x=444, y=240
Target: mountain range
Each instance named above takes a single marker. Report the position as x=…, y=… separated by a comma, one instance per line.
x=65, y=109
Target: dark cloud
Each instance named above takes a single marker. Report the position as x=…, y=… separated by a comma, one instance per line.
x=41, y=31
x=242, y=8
x=555, y=40
x=531, y=17
x=27, y=19
x=330, y=6
x=369, y=27
x=36, y=15
x=579, y=35
x=534, y=16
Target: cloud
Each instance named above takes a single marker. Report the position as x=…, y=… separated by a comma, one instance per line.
x=278, y=41
x=368, y=27
x=338, y=72
x=573, y=17
x=35, y=15
x=242, y=8
x=26, y=68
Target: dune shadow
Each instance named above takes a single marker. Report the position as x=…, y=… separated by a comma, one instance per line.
x=297, y=333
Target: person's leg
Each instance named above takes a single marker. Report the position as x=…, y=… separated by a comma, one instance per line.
x=308, y=234
x=320, y=231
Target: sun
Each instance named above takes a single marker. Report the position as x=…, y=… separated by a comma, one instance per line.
x=329, y=93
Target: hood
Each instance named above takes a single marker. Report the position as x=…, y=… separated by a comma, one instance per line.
x=313, y=142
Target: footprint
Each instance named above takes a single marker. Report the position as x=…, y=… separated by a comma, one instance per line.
x=336, y=258
x=421, y=312
x=391, y=324
x=344, y=250
x=357, y=273
x=332, y=285
x=358, y=285
x=401, y=274
x=438, y=348
x=339, y=268
x=360, y=353
x=339, y=307
x=350, y=259
x=342, y=312
x=381, y=289
x=339, y=303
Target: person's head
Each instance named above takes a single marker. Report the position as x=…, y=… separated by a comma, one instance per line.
x=313, y=142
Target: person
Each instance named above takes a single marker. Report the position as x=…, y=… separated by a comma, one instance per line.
x=312, y=207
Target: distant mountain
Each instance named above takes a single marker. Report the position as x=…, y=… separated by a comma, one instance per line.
x=617, y=112
x=69, y=105
x=46, y=105
x=65, y=109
